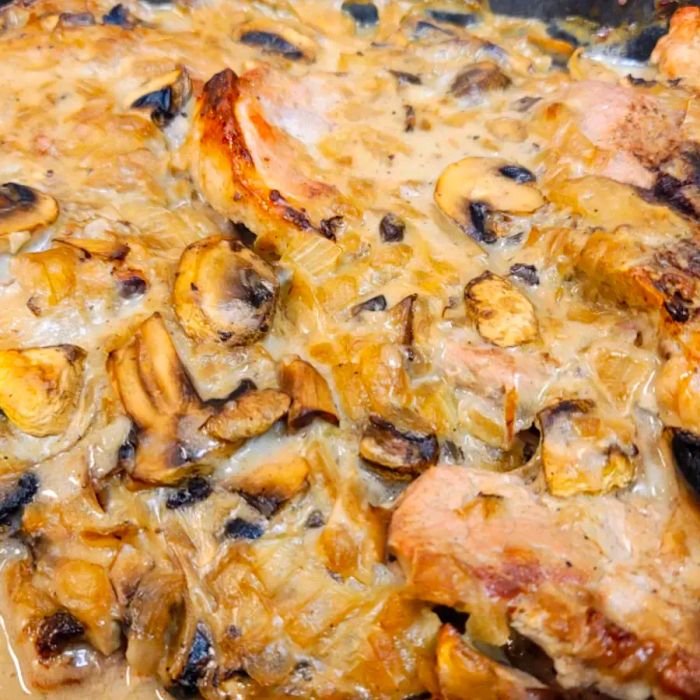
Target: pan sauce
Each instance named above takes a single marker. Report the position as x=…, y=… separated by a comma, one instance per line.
x=307, y=602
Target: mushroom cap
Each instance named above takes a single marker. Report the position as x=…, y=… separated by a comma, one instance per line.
x=224, y=292
x=39, y=387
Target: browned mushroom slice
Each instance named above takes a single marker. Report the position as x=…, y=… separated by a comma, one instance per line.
x=193, y=661
x=584, y=453
x=252, y=414
x=166, y=96
x=503, y=315
x=474, y=192
x=402, y=317
x=39, y=387
x=464, y=673
x=224, y=292
x=277, y=38
x=270, y=485
x=23, y=208
x=155, y=613
x=401, y=441
x=156, y=392
x=150, y=377
x=478, y=78
x=311, y=397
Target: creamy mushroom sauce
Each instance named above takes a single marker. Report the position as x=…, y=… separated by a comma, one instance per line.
x=315, y=606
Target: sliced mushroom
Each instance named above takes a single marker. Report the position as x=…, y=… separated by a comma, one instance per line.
x=252, y=414
x=582, y=452
x=277, y=38
x=525, y=273
x=377, y=303
x=55, y=632
x=224, y=292
x=150, y=377
x=242, y=529
x=454, y=17
x=365, y=14
x=197, y=489
x=392, y=228
x=268, y=486
x=502, y=314
x=19, y=495
x=405, y=78
x=154, y=613
x=478, y=78
x=166, y=96
x=130, y=283
x=402, y=316
x=471, y=190
x=194, y=658
x=39, y=387
x=23, y=208
x=400, y=441
x=156, y=392
x=311, y=397
x=119, y=16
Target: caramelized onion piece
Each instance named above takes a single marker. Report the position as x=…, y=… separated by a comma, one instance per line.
x=252, y=414
x=84, y=589
x=224, y=292
x=39, y=387
x=23, y=208
x=311, y=397
x=478, y=78
x=400, y=441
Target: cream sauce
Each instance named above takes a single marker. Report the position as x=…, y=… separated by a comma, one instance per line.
x=68, y=129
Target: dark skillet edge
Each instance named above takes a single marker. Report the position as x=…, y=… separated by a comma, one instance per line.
x=608, y=12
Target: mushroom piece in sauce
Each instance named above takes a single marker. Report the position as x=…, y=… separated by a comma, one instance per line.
x=400, y=441
x=166, y=96
x=502, y=314
x=224, y=292
x=252, y=414
x=24, y=208
x=311, y=397
x=39, y=387
x=472, y=189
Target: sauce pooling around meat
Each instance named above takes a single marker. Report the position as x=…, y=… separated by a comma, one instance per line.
x=347, y=350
